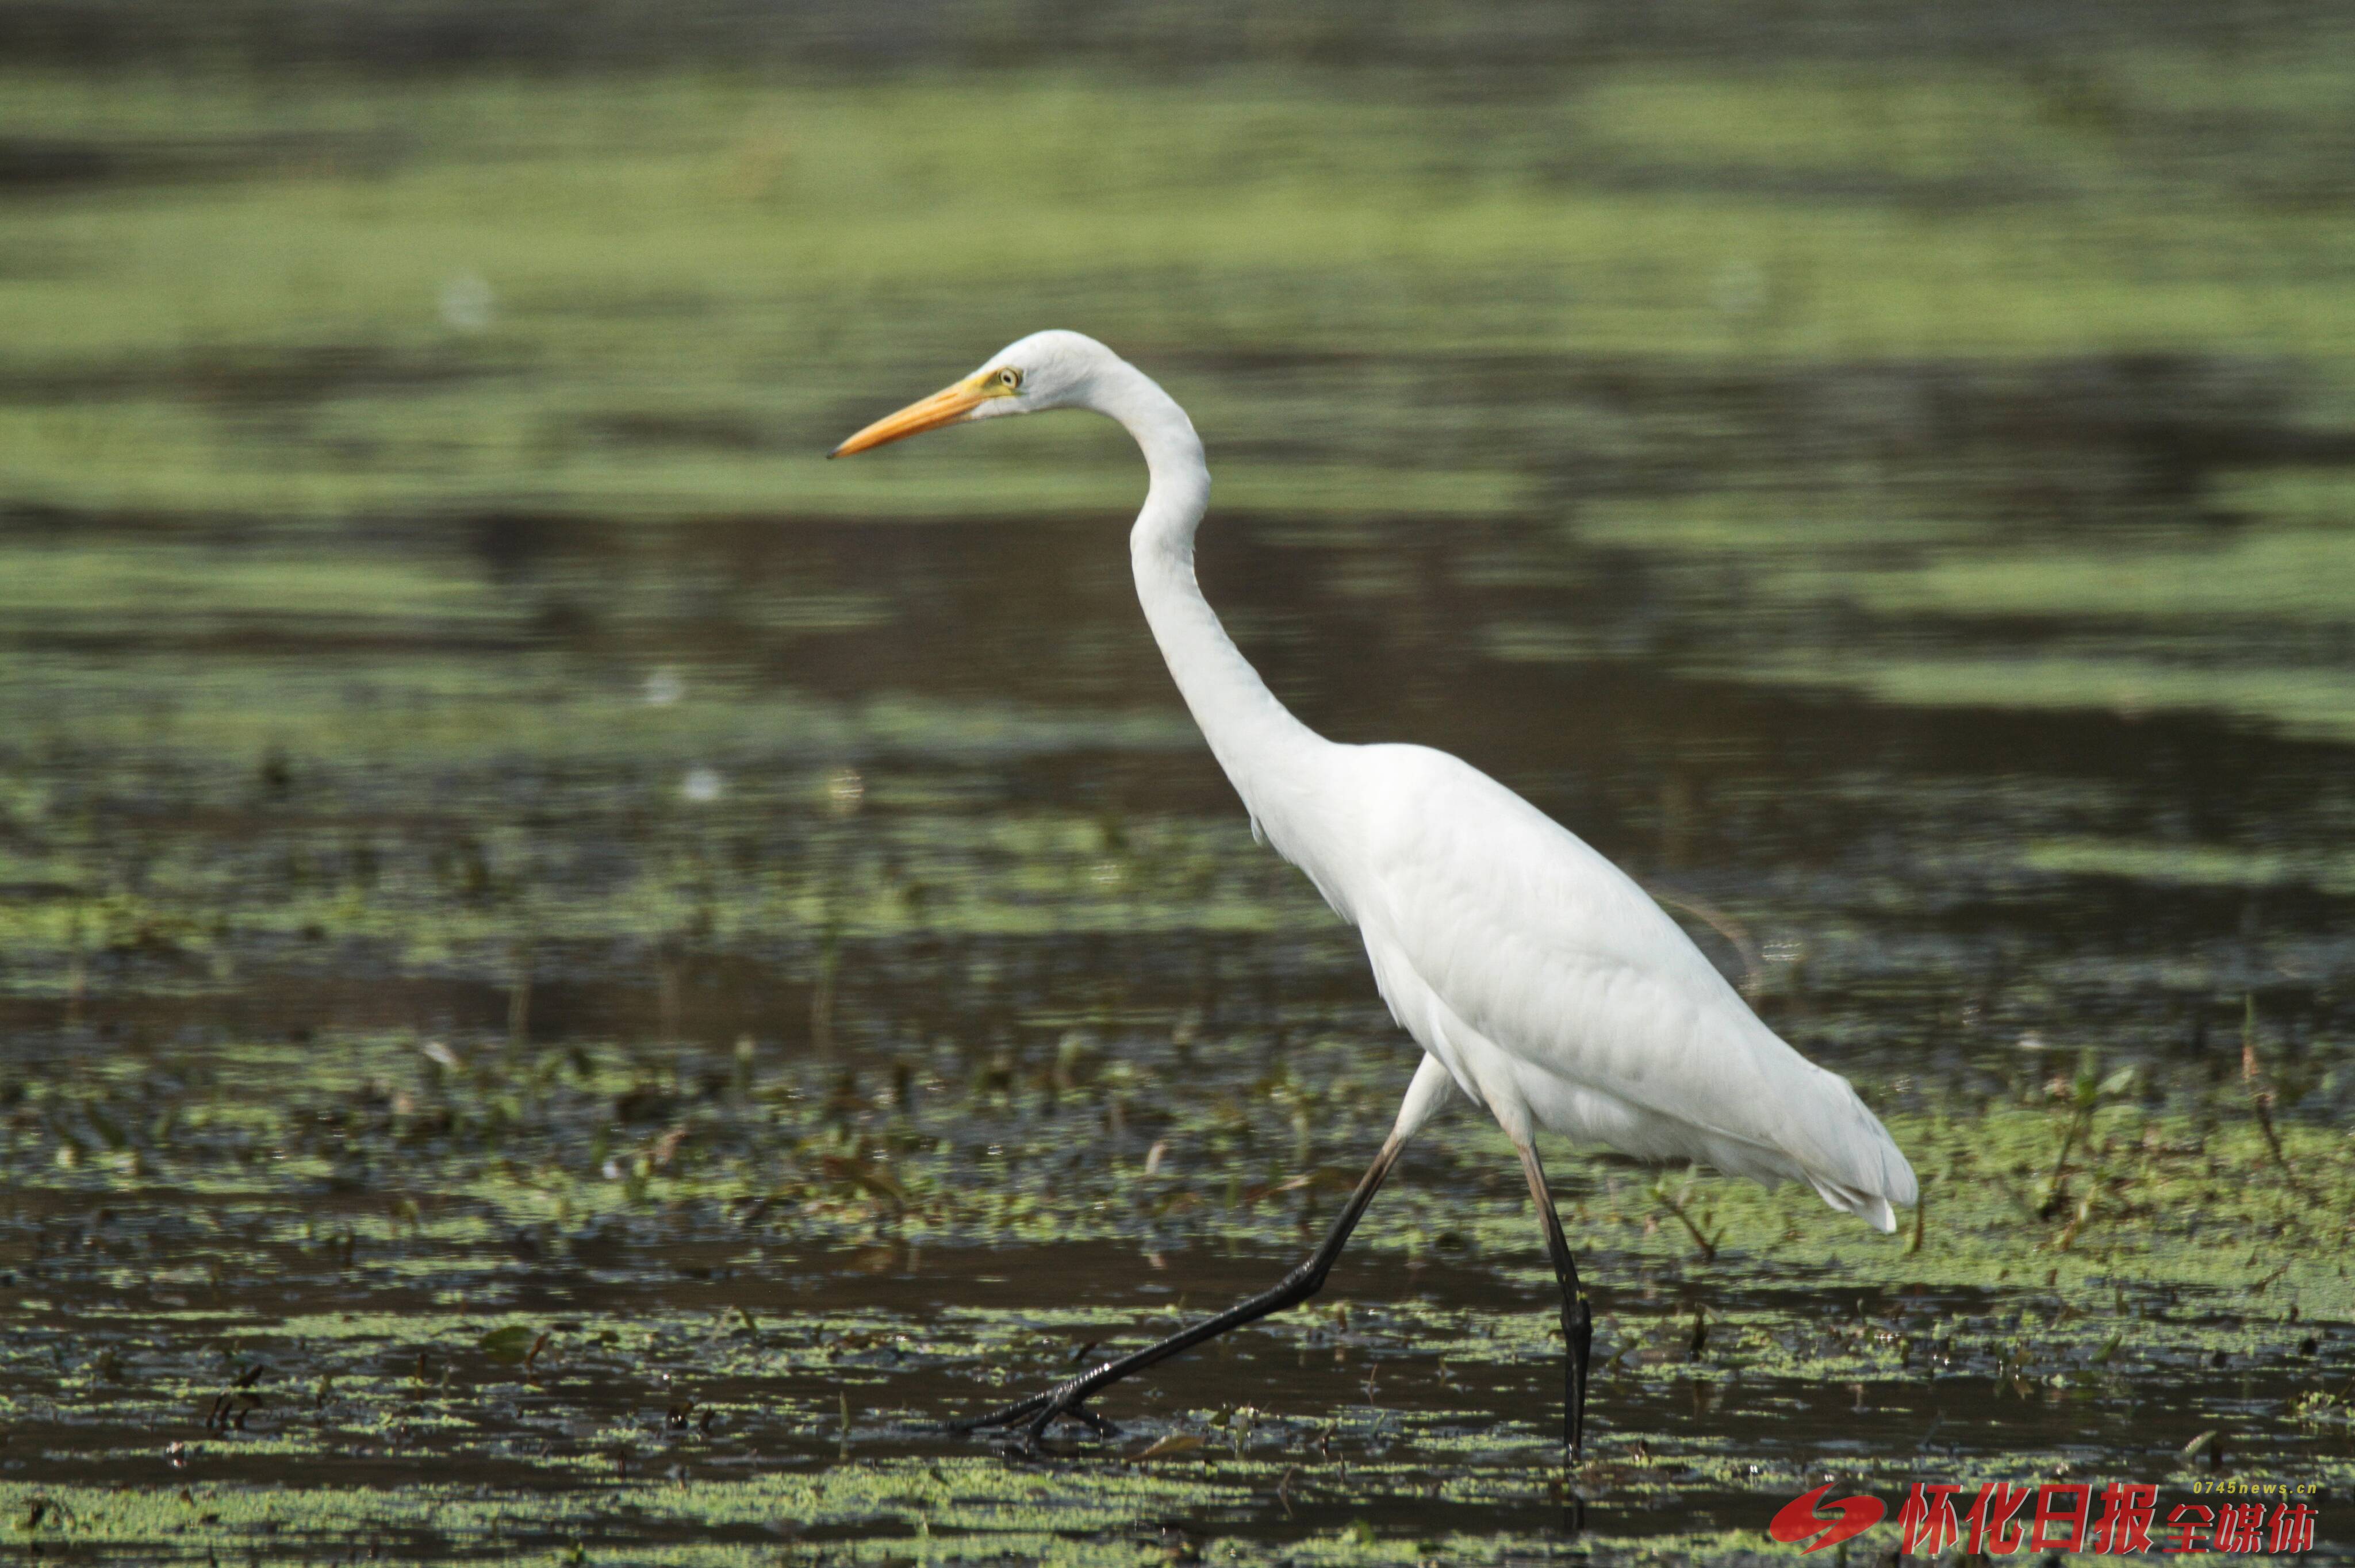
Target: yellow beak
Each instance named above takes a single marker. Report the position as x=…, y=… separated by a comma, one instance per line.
x=945, y=406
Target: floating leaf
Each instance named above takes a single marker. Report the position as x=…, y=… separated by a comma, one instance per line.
x=511, y=1345
x=1170, y=1447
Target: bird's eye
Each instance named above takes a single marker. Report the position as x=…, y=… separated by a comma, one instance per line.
x=1009, y=379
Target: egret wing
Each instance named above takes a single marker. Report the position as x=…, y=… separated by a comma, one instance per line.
x=1552, y=954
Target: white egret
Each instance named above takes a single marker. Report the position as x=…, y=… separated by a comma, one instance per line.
x=1540, y=982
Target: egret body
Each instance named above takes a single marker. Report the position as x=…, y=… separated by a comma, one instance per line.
x=1541, y=983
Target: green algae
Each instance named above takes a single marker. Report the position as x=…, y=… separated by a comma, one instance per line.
x=2174, y=1236
x=505, y=848
x=765, y=215
x=2198, y=866
x=2118, y=621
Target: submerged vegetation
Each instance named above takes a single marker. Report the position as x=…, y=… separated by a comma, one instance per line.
x=574, y=979
x=714, y=1296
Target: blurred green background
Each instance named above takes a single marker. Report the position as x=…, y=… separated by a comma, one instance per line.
x=498, y=835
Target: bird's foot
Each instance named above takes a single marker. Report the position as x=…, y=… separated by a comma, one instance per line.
x=1093, y=1422
x=1004, y=1415
x=1029, y=1419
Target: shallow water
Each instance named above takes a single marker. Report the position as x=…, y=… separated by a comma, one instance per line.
x=497, y=842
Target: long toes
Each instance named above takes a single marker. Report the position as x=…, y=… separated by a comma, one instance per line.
x=1004, y=1415
x=970, y=1424
x=1040, y=1424
x=1091, y=1421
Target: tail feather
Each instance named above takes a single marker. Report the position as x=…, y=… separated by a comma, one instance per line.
x=1872, y=1176
x=1871, y=1207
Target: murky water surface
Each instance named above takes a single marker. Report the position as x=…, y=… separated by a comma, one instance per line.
x=576, y=981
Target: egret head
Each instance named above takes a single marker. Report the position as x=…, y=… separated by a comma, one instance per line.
x=1045, y=370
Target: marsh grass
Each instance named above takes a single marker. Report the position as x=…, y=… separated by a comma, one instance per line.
x=247, y=1261
x=577, y=978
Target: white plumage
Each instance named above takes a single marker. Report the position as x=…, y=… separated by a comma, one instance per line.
x=1556, y=993
x=1539, y=981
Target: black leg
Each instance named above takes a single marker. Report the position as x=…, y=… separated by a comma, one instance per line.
x=1038, y=1413
x=1577, y=1317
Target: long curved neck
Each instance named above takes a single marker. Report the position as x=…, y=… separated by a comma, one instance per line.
x=1255, y=737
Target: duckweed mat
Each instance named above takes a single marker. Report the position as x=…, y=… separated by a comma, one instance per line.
x=575, y=981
